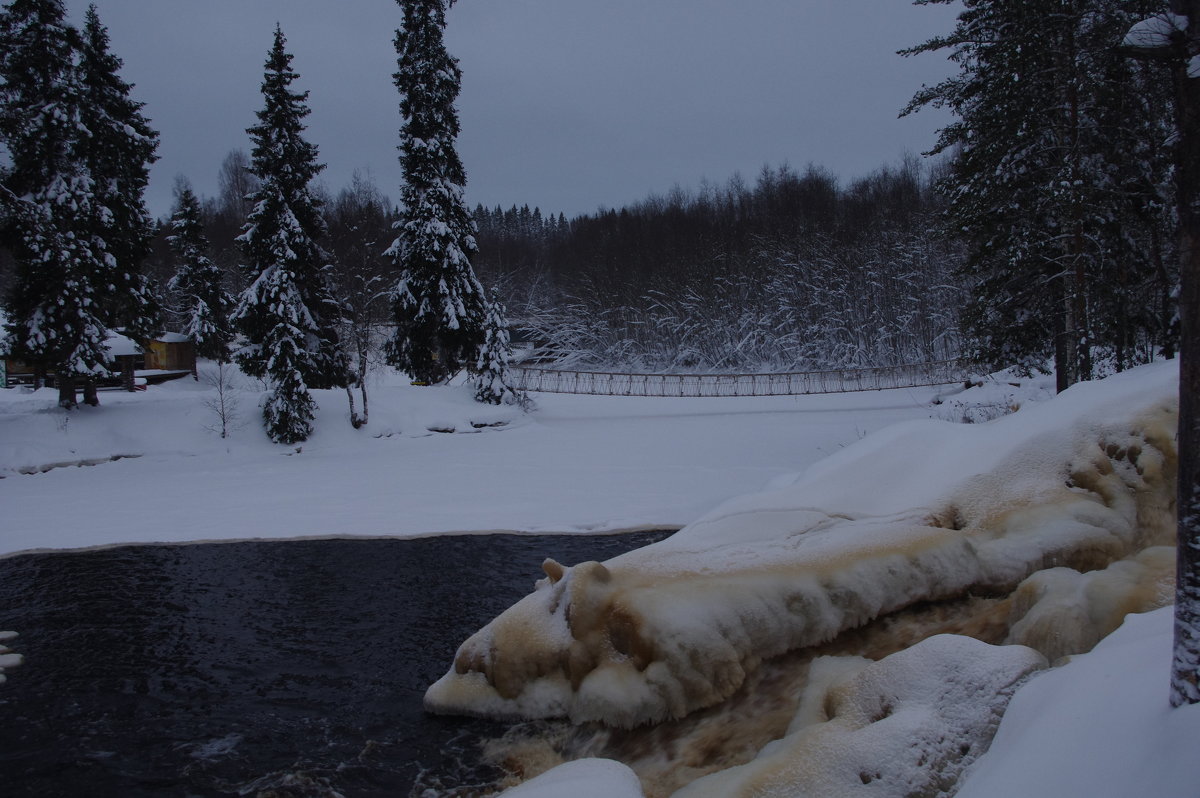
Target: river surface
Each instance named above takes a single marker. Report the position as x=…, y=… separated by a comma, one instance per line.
x=255, y=668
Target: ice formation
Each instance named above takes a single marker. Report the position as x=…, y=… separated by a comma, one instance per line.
x=1055, y=738
x=924, y=510
x=906, y=725
x=7, y=658
x=1060, y=611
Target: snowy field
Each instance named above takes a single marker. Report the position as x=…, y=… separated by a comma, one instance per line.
x=577, y=464
x=433, y=461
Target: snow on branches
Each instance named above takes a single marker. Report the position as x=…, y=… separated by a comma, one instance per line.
x=438, y=304
x=287, y=313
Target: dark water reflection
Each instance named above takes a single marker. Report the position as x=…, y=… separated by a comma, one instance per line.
x=254, y=668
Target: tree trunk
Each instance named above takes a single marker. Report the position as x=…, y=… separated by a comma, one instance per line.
x=355, y=421
x=66, y=391
x=1063, y=348
x=90, y=396
x=1185, y=672
x=1079, y=329
x=1166, y=308
x=1185, y=668
x=1081, y=336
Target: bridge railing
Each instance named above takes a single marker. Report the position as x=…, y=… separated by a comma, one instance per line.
x=605, y=383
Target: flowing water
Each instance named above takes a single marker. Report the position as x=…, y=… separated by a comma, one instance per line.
x=256, y=668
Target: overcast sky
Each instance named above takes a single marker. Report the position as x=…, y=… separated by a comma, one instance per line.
x=566, y=104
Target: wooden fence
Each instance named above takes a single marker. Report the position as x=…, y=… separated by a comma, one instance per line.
x=603, y=383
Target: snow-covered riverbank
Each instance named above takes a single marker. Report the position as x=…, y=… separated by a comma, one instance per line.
x=431, y=460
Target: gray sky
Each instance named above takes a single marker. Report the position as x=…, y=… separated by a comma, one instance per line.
x=566, y=104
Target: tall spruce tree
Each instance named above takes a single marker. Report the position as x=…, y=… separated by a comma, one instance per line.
x=62, y=289
x=204, y=303
x=119, y=153
x=287, y=311
x=1047, y=118
x=438, y=304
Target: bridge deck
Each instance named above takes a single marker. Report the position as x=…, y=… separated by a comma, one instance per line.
x=602, y=383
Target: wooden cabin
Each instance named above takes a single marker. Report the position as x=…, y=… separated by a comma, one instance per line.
x=171, y=352
x=168, y=356
x=12, y=370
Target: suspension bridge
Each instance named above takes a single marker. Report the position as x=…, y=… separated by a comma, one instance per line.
x=605, y=383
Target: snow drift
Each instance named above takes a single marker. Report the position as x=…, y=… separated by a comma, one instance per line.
x=923, y=510
x=584, y=778
x=1099, y=726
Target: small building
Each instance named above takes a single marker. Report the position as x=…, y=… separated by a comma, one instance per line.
x=166, y=357
x=11, y=370
x=171, y=352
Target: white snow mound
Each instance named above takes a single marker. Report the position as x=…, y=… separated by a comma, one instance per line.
x=1157, y=32
x=920, y=511
x=1100, y=726
x=583, y=778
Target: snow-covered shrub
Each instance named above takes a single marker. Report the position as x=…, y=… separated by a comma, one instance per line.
x=993, y=396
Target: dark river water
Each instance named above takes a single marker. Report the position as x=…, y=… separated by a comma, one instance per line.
x=255, y=668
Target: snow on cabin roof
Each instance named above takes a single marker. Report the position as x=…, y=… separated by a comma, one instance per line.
x=173, y=338
x=120, y=346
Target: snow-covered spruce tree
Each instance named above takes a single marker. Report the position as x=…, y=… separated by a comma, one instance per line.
x=204, y=304
x=119, y=152
x=1047, y=120
x=287, y=312
x=437, y=302
x=493, y=381
x=58, y=302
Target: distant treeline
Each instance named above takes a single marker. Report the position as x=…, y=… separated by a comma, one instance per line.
x=792, y=272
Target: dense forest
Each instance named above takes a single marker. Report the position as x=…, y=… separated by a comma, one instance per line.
x=791, y=273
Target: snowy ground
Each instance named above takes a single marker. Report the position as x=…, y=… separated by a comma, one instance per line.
x=1100, y=726
x=579, y=463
